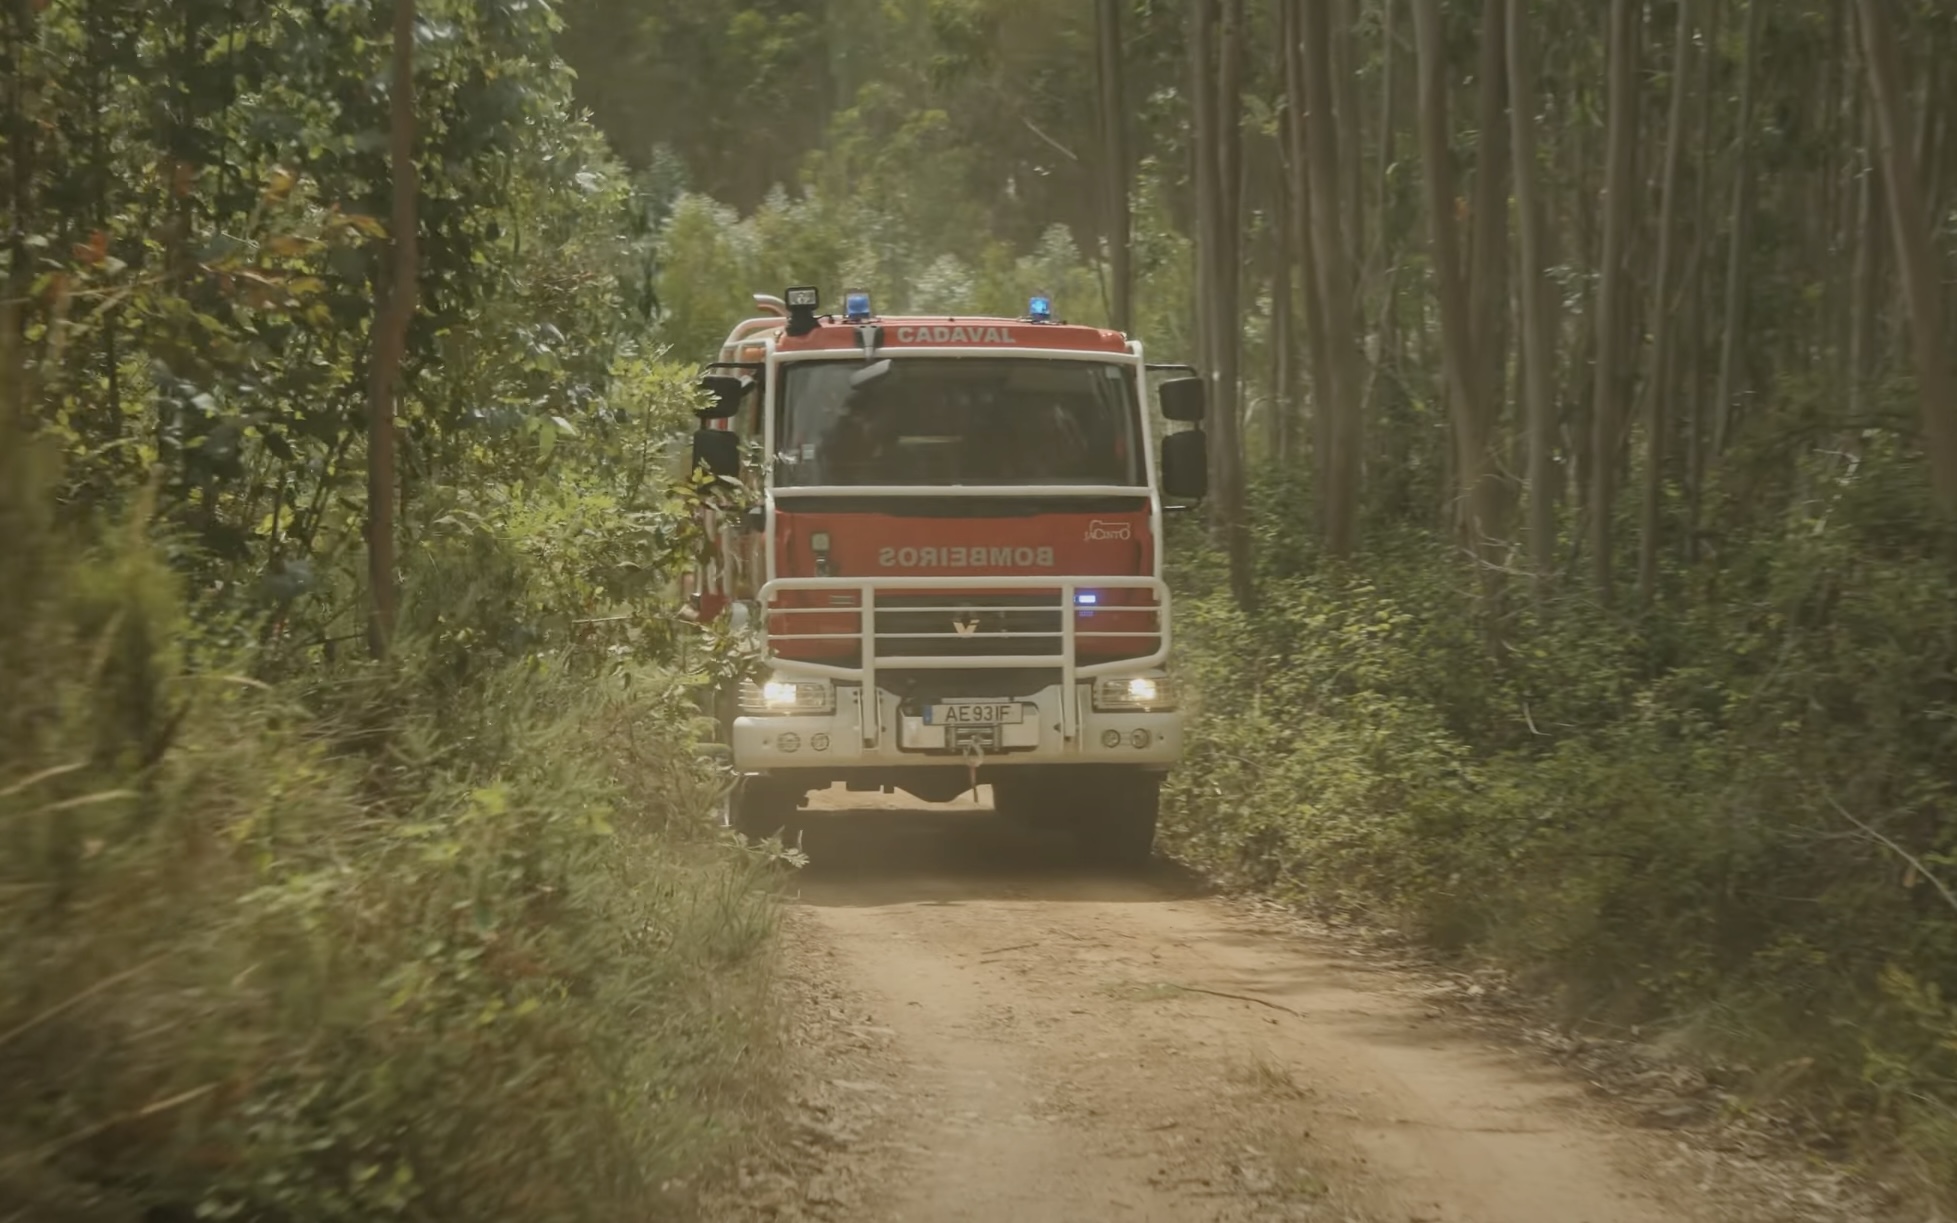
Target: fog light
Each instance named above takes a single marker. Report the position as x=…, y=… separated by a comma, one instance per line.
x=1110, y=738
x=1139, y=739
x=819, y=742
x=789, y=742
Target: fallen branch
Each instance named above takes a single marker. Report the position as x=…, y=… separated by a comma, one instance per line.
x=1003, y=950
x=1066, y=152
x=1218, y=993
x=37, y=778
x=1916, y=864
x=83, y=800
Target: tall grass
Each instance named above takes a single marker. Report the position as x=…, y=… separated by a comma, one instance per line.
x=380, y=941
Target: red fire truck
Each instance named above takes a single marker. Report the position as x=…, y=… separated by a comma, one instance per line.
x=952, y=563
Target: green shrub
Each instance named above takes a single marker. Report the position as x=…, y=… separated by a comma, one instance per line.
x=445, y=937
x=1728, y=817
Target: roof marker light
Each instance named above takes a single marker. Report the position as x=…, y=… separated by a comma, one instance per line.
x=856, y=306
x=1040, y=309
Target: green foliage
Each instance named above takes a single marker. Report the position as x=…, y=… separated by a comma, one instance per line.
x=288, y=934
x=1717, y=817
x=711, y=260
x=440, y=939
x=927, y=149
x=970, y=120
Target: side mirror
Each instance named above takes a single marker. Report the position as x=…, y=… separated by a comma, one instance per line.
x=1186, y=465
x=755, y=520
x=717, y=450
x=727, y=390
x=1185, y=400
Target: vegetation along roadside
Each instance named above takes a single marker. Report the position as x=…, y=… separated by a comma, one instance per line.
x=307, y=912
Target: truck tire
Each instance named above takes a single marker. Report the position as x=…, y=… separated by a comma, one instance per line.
x=760, y=808
x=1118, y=830
x=1029, y=803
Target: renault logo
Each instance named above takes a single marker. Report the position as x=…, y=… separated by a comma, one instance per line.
x=965, y=628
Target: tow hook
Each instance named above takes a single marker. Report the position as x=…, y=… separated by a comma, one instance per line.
x=974, y=756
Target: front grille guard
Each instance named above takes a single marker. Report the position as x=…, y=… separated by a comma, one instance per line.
x=1063, y=590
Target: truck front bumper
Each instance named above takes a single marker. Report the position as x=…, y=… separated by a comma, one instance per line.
x=860, y=734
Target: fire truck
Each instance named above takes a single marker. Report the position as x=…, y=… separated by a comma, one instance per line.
x=949, y=560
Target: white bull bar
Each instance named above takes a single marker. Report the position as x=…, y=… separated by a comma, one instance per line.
x=865, y=609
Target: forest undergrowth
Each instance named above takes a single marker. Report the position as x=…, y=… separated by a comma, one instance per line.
x=445, y=936
x=308, y=912
x=1725, y=822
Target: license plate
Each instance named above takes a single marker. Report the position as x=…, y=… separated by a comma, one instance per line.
x=974, y=713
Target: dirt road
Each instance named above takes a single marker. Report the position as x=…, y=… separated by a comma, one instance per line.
x=995, y=1036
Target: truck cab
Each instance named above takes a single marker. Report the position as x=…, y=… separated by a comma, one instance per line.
x=953, y=562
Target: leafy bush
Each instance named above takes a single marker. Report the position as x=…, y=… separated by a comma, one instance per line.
x=1729, y=819
x=433, y=938
x=287, y=933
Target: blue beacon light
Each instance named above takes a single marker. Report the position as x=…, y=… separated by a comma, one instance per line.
x=1040, y=309
x=856, y=306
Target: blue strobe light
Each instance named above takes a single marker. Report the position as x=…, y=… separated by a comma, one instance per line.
x=1040, y=309
x=856, y=306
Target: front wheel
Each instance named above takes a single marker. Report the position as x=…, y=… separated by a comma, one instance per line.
x=1110, y=812
x=1118, y=827
x=760, y=808
x=1034, y=803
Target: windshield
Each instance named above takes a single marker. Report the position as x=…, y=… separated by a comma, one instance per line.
x=957, y=420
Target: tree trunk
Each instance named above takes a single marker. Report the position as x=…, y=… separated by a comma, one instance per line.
x=1281, y=428
x=1489, y=257
x=1464, y=370
x=1605, y=414
x=1663, y=311
x=1115, y=163
x=1917, y=258
x=394, y=309
x=1865, y=303
x=1352, y=134
x=1338, y=388
x=1216, y=73
x=1449, y=290
x=22, y=127
x=1740, y=231
x=1487, y=289
x=1929, y=130
x=1227, y=115
x=1539, y=315
x=1389, y=75
x=1300, y=220
x=1696, y=431
x=1391, y=86
x=1202, y=172
x=1284, y=357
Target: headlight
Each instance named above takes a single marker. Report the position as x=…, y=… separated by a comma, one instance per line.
x=788, y=696
x=1134, y=694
